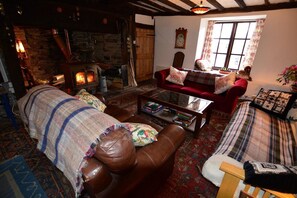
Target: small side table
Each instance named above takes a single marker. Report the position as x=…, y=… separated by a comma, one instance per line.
x=7, y=107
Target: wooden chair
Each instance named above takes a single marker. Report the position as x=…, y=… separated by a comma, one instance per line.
x=231, y=179
x=178, y=60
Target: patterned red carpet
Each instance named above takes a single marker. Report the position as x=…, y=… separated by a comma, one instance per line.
x=186, y=180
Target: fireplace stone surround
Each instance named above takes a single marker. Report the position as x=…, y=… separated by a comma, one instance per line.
x=45, y=59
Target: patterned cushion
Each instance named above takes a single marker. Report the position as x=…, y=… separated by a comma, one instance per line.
x=88, y=98
x=274, y=102
x=176, y=76
x=224, y=83
x=202, y=64
x=142, y=134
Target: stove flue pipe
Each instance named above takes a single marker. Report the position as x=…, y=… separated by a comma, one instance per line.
x=63, y=47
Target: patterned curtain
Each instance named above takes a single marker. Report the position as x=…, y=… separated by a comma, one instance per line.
x=206, y=53
x=253, y=45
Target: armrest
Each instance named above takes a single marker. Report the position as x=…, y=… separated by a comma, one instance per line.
x=96, y=176
x=161, y=76
x=233, y=175
x=169, y=140
x=238, y=89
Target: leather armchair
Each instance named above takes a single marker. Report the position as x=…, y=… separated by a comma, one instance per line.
x=118, y=169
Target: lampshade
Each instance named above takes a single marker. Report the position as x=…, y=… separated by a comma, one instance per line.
x=200, y=9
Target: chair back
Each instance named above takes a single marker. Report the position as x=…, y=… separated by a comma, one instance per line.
x=178, y=60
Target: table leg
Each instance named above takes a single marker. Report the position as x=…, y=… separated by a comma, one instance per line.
x=208, y=114
x=138, y=104
x=197, y=126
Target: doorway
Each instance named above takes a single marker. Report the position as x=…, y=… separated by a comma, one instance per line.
x=145, y=38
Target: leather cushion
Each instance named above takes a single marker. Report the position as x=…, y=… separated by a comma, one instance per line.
x=116, y=150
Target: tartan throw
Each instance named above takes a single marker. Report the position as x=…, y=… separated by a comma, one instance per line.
x=253, y=135
x=201, y=77
x=64, y=126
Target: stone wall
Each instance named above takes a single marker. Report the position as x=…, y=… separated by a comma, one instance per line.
x=45, y=57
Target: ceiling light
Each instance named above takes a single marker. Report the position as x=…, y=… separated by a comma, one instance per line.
x=200, y=9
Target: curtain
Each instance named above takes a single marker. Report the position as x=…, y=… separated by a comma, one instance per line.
x=206, y=52
x=253, y=45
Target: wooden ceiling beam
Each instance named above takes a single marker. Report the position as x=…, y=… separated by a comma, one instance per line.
x=170, y=4
x=216, y=4
x=241, y=3
x=267, y=2
x=189, y=3
x=158, y=6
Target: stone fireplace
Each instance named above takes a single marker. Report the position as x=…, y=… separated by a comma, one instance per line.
x=81, y=76
x=87, y=51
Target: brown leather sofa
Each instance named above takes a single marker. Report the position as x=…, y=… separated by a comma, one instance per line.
x=118, y=169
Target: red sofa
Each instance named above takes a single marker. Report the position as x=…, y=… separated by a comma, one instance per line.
x=202, y=84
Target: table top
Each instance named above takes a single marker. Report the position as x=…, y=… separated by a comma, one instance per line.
x=170, y=98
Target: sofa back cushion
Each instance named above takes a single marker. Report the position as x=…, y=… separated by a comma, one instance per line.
x=201, y=77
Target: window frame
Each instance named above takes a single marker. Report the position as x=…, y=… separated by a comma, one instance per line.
x=231, y=43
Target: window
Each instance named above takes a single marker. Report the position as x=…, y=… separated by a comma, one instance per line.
x=229, y=43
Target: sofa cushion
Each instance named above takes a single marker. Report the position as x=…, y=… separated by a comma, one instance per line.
x=176, y=76
x=275, y=102
x=142, y=134
x=88, y=98
x=224, y=83
x=202, y=64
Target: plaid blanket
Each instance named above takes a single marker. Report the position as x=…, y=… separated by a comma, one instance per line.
x=257, y=136
x=64, y=126
x=201, y=77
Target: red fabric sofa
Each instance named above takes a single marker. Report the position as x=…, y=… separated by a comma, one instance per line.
x=202, y=84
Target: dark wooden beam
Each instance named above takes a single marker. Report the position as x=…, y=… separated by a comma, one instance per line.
x=267, y=2
x=263, y=7
x=241, y=3
x=216, y=4
x=170, y=4
x=158, y=6
x=189, y=3
x=10, y=58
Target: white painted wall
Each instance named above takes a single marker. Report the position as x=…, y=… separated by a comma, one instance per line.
x=144, y=19
x=277, y=48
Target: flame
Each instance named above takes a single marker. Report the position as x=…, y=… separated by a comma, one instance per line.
x=80, y=78
x=90, y=77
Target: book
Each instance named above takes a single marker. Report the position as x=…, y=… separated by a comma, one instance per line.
x=152, y=107
x=183, y=122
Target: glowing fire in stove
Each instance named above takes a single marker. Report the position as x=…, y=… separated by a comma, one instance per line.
x=80, y=78
x=90, y=76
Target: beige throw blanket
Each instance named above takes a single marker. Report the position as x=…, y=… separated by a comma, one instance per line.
x=64, y=127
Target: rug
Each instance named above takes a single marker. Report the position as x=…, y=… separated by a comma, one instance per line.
x=186, y=180
x=13, y=143
x=17, y=180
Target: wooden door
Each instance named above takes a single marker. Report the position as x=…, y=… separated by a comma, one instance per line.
x=144, y=54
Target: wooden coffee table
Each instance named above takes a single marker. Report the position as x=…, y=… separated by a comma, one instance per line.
x=199, y=107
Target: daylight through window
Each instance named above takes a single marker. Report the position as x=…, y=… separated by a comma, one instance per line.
x=230, y=41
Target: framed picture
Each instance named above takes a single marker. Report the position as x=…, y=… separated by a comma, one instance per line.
x=180, y=38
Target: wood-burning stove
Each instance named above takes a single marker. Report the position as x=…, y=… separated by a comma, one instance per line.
x=81, y=76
